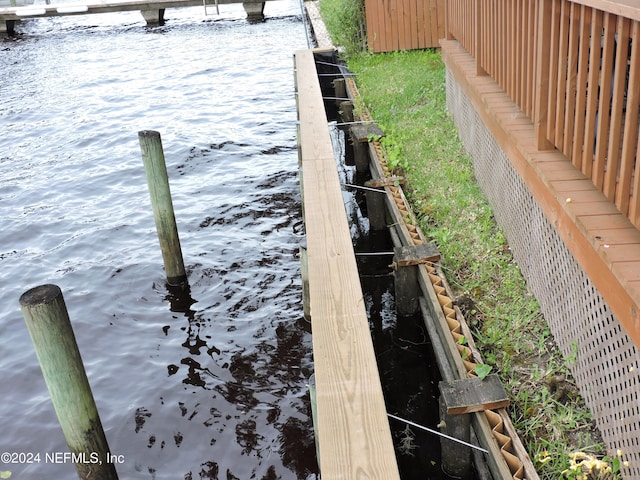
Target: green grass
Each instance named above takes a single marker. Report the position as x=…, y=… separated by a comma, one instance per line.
x=405, y=93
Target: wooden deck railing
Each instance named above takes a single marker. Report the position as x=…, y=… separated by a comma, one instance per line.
x=571, y=66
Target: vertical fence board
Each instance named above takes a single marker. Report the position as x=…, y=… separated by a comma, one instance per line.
x=572, y=72
x=562, y=74
x=434, y=21
x=581, y=86
x=617, y=108
x=532, y=43
x=554, y=49
x=406, y=7
x=511, y=33
x=630, y=138
x=440, y=6
x=592, y=92
x=415, y=36
x=526, y=32
x=373, y=24
x=603, y=116
x=634, y=205
x=541, y=116
x=421, y=31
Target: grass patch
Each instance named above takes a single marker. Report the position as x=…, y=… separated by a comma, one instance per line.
x=345, y=20
x=405, y=93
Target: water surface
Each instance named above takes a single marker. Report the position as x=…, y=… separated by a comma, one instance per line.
x=216, y=390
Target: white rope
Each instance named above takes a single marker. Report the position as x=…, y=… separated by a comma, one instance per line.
x=438, y=433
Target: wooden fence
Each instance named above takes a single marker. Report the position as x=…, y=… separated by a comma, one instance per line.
x=404, y=24
x=571, y=67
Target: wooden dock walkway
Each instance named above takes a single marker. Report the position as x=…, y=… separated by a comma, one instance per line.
x=353, y=431
x=152, y=10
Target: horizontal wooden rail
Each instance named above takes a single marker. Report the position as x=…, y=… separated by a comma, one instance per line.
x=624, y=8
x=354, y=437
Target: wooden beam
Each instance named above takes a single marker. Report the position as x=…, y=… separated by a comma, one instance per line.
x=473, y=394
x=353, y=430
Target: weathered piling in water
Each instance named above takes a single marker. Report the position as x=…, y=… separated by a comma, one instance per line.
x=406, y=282
x=360, y=149
x=455, y=457
x=406, y=259
x=345, y=109
x=340, y=90
x=158, y=180
x=47, y=320
x=459, y=398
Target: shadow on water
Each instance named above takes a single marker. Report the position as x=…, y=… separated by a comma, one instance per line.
x=251, y=373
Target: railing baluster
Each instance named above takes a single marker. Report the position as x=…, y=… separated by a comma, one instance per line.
x=545, y=12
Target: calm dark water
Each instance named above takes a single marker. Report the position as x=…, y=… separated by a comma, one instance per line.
x=219, y=390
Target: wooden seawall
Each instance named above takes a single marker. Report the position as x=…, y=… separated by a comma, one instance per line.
x=152, y=10
x=353, y=431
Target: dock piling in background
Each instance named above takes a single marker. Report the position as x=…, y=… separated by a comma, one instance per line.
x=48, y=323
x=158, y=180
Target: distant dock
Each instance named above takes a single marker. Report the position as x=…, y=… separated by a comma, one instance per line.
x=152, y=10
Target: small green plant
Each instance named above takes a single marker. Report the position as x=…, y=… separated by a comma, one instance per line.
x=393, y=153
x=573, y=357
x=482, y=370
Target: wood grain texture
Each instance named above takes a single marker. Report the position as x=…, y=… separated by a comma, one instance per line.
x=403, y=24
x=353, y=429
x=473, y=394
x=588, y=235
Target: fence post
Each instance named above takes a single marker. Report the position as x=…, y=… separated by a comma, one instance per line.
x=48, y=323
x=158, y=180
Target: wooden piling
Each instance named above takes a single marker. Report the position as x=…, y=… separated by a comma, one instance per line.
x=339, y=90
x=376, y=209
x=50, y=329
x=345, y=109
x=406, y=283
x=455, y=457
x=158, y=180
x=360, y=152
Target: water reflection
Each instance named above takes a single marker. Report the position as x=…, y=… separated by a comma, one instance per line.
x=269, y=415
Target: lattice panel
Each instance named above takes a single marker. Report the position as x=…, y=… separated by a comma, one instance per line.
x=607, y=366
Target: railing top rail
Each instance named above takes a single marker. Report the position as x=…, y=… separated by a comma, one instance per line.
x=625, y=8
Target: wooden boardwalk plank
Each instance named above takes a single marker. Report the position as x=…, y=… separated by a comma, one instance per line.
x=353, y=429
